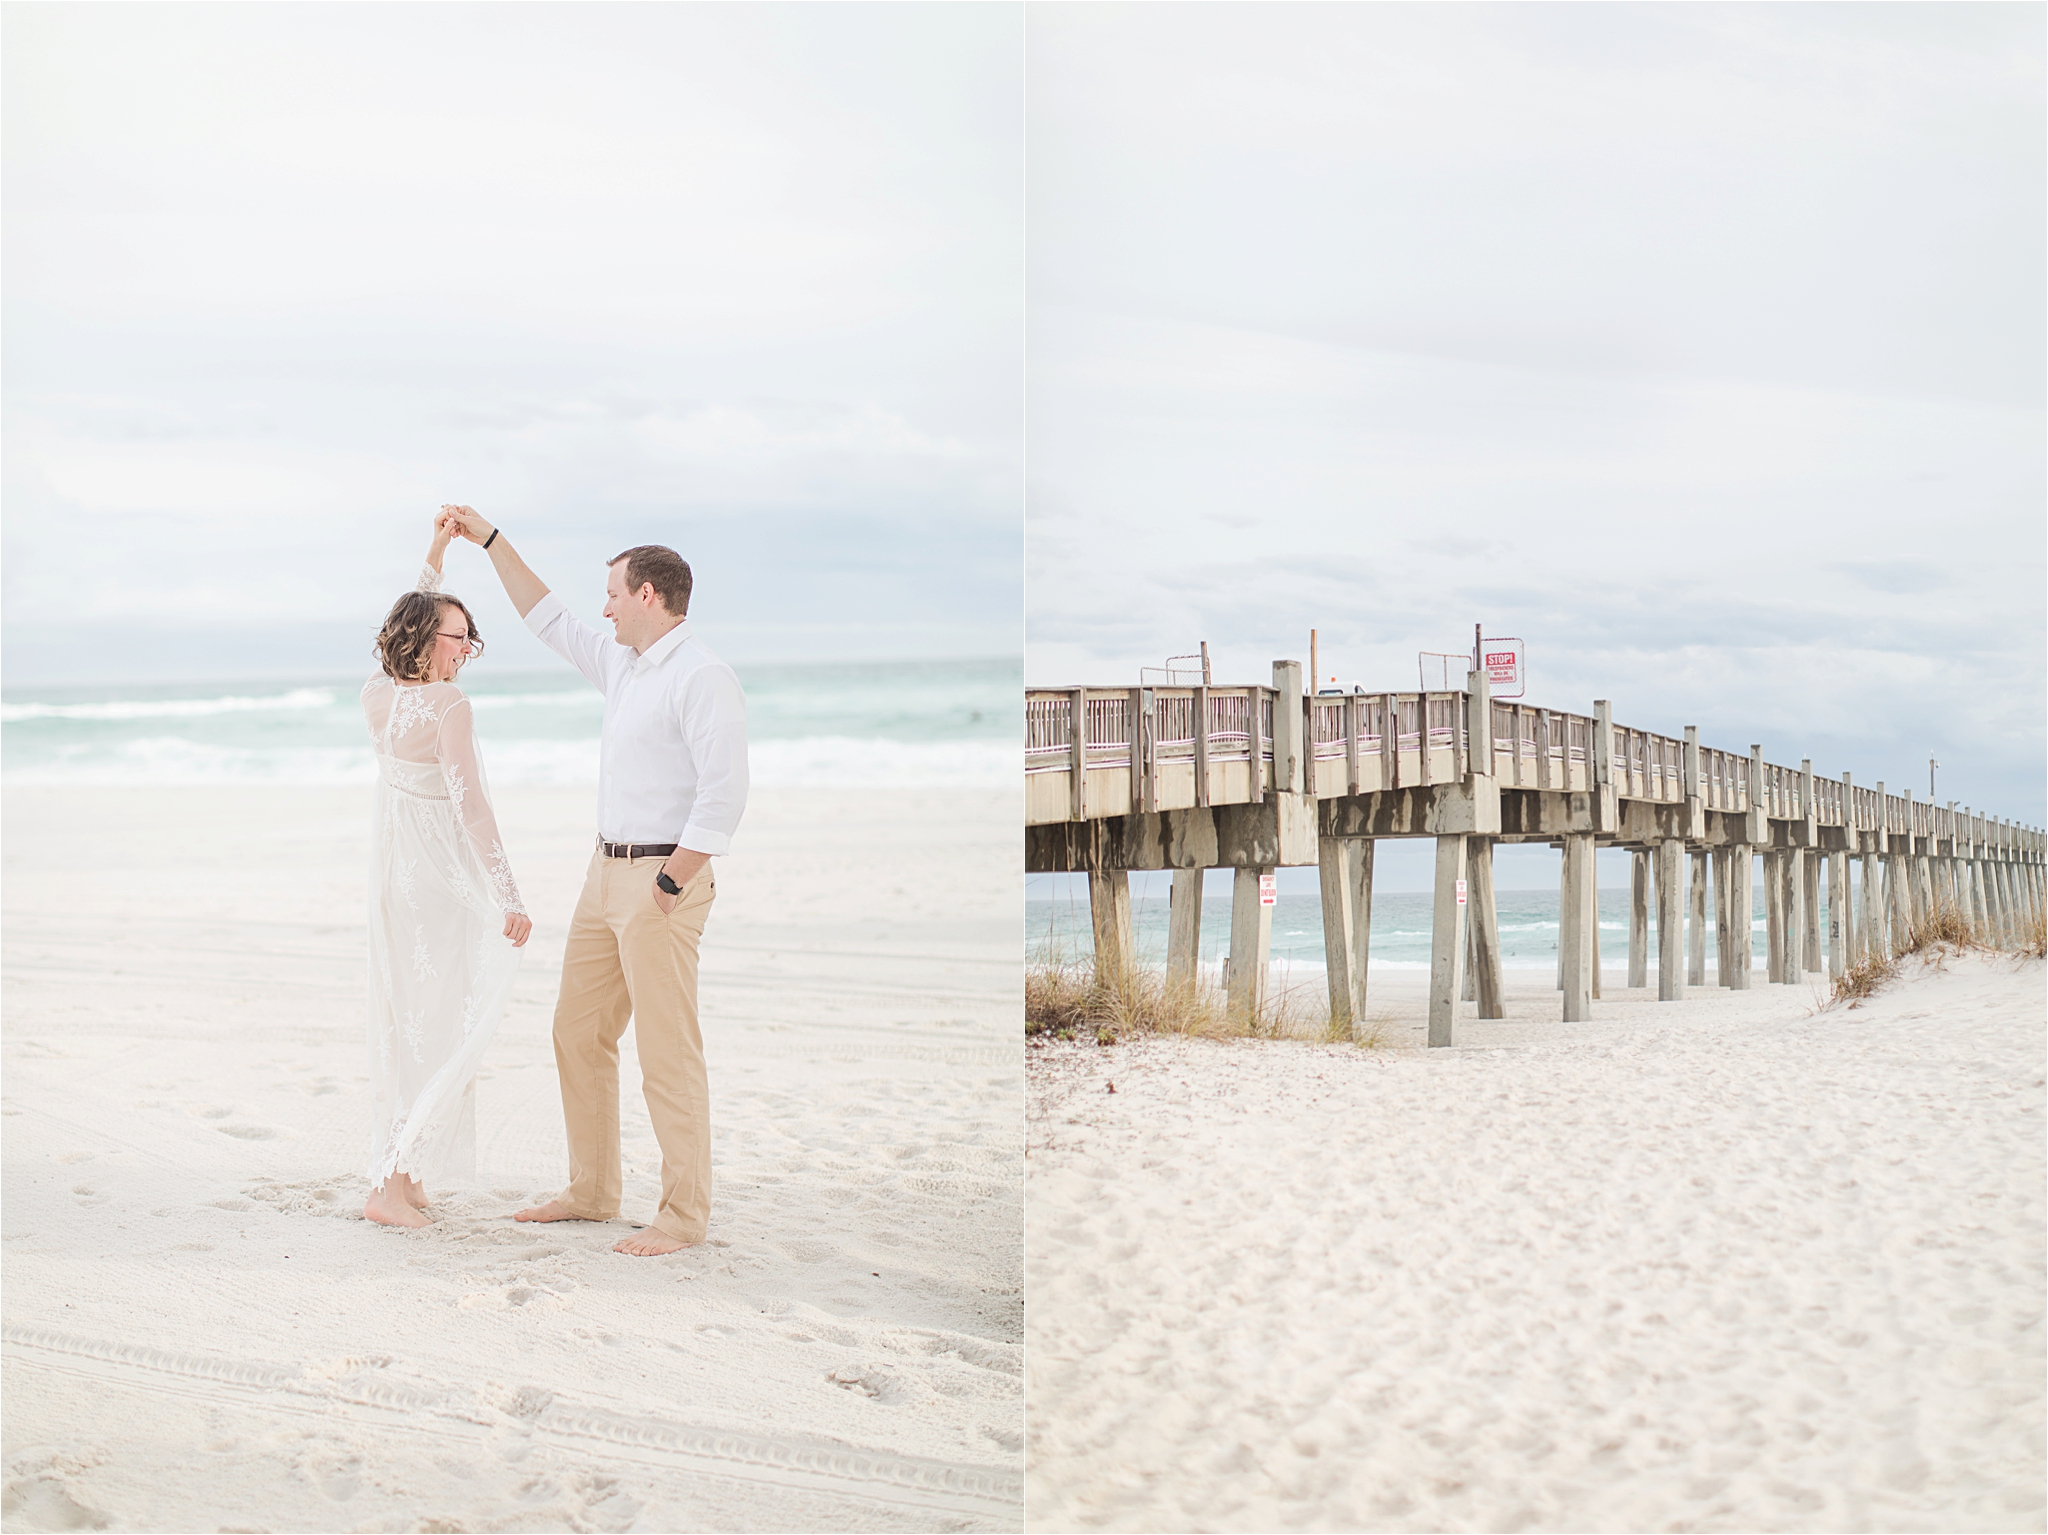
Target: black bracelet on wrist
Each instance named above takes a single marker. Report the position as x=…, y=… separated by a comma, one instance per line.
x=668, y=886
x=493, y=538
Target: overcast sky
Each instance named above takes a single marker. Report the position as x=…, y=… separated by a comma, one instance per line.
x=747, y=280
x=1699, y=346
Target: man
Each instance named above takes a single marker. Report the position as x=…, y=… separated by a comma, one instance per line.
x=672, y=782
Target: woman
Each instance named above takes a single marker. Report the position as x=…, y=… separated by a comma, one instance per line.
x=442, y=902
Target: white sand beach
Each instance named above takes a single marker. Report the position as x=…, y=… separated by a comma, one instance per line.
x=1733, y=1264
x=203, y=1334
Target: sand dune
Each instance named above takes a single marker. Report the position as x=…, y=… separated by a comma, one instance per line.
x=1730, y=1265
x=203, y=1334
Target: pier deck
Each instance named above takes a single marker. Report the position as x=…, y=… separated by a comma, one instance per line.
x=1253, y=778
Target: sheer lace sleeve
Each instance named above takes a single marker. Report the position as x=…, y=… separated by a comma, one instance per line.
x=455, y=749
x=429, y=581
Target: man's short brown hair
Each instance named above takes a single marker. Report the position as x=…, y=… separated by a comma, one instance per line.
x=667, y=571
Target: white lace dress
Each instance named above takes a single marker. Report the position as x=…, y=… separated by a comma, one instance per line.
x=441, y=967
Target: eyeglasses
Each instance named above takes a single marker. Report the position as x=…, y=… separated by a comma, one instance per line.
x=466, y=641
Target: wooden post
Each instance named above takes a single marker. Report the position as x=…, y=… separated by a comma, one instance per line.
x=1288, y=775
x=1573, y=887
x=1109, y=908
x=1774, y=917
x=1639, y=918
x=1670, y=859
x=1696, y=927
x=1184, y=927
x=1592, y=927
x=1742, y=913
x=1077, y=747
x=1334, y=874
x=1838, y=914
x=1447, y=939
x=1724, y=917
x=1358, y=868
x=1790, y=865
x=1870, y=910
x=1202, y=725
x=1809, y=909
x=1251, y=945
x=1483, y=921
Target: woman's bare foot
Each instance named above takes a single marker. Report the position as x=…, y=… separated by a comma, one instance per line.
x=416, y=1196
x=387, y=1207
x=648, y=1244
x=553, y=1210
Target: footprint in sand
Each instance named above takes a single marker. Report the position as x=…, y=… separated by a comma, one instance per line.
x=249, y=1132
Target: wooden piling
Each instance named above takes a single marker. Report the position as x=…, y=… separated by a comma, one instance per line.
x=1109, y=910
x=1251, y=946
x=1774, y=916
x=1742, y=911
x=1574, y=912
x=1838, y=913
x=1334, y=873
x=1482, y=919
x=1639, y=918
x=1696, y=922
x=1809, y=910
x=1447, y=940
x=1724, y=917
x=1670, y=860
x=1184, y=926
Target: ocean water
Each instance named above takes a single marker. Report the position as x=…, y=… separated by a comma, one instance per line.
x=1400, y=930
x=856, y=724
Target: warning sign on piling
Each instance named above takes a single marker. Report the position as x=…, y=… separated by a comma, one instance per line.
x=1503, y=659
x=1269, y=889
x=1461, y=892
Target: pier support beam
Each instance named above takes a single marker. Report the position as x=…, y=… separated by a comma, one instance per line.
x=1184, y=927
x=1696, y=923
x=1870, y=920
x=1251, y=946
x=1639, y=918
x=1838, y=913
x=1483, y=921
x=1447, y=940
x=1809, y=910
x=1774, y=917
x=1109, y=909
x=1898, y=904
x=1575, y=902
x=1790, y=868
x=1670, y=856
x=1724, y=917
x=1345, y=867
x=1742, y=913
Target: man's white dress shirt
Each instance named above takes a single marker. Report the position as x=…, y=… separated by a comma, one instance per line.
x=673, y=764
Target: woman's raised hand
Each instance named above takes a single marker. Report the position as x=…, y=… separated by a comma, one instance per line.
x=464, y=520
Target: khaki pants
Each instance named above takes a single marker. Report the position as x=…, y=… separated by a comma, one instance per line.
x=624, y=959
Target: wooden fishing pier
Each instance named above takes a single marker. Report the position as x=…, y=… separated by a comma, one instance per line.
x=1253, y=778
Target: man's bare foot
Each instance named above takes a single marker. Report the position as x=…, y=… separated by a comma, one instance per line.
x=553, y=1210
x=388, y=1208
x=648, y=1244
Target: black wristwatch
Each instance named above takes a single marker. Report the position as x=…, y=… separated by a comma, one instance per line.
x=664, y=883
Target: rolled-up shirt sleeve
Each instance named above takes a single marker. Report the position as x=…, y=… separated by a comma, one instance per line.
x=569, y=637
x=712, y=714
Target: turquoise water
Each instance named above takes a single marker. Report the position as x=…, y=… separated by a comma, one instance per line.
x=920, y=722
x=1400, y=929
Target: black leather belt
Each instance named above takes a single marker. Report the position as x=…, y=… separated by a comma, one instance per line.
x=635, y=849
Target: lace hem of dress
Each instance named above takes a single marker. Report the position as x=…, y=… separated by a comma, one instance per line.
x=429, y=581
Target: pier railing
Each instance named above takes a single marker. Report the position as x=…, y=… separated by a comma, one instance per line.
x=1091, y=752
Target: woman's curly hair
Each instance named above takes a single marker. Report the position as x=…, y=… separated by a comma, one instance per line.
x=405, y=645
